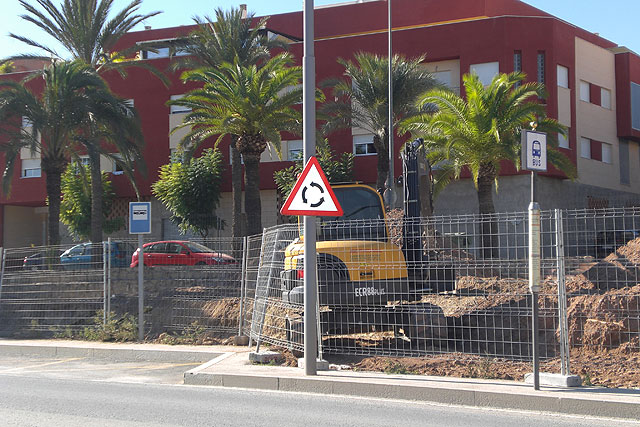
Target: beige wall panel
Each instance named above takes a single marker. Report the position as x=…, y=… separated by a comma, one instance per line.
x=564, y=106
x=175, y=138
x=22, y=227
x=597, y=66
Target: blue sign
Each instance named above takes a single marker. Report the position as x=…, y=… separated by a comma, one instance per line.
x=139, y=217
x=534, y=151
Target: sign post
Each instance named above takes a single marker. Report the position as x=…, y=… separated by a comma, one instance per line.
x=311, y=196
x=140, y=223
x=534, y=159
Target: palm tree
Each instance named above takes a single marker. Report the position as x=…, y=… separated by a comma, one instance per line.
x=86, y=32
x=56, y=117
x=255, y=104
x=232, y=36
x=482, y=131
x=362, y=99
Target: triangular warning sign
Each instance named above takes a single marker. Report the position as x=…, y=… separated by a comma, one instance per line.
x=312, y=195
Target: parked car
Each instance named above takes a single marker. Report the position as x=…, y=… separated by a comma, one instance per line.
x=42, y=260
x=609, y=241
x=180, y=252
x=79, y=256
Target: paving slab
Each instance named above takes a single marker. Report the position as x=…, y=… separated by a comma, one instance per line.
x=235, y=370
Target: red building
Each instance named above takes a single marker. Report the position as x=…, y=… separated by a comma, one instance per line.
x=593, y=85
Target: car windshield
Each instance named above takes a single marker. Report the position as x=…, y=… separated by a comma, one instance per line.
x=197, y=248
x=363, y=217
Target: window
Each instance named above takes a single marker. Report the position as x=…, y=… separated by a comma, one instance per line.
x=294, y=149
x=635, y=106
x=606, y=152
x=623, y=148
x=563, y=142
x=117, y=165
x=84, y=160
x=363, y=145
x=517, y=60
x=605, y=98
x=443, y=77
x=26, y=123
x=177, y=109
x=161, y=52
x=31, y=168
x=585, y=148
x=563, y=76
x=541, y=65
x=585, y=91
x=486, y=72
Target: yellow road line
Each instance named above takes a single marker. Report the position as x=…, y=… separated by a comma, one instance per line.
x=40, y=365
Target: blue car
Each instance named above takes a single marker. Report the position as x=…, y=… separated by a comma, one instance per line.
x=80, y=256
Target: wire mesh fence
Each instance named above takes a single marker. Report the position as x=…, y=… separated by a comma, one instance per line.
x=456, y=284
x=187, y=284
x=602, y=278
x=398, y=287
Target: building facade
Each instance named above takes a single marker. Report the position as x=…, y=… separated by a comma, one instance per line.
x=593, y=88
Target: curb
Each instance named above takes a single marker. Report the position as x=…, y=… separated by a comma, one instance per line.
x=463, y=397
x=114, y=354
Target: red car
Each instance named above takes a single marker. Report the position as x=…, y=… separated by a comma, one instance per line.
x=180, y=252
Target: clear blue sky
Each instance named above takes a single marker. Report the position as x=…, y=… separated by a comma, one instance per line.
x=615, y=20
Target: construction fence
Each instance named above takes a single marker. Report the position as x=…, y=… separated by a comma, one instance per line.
x=433, y=286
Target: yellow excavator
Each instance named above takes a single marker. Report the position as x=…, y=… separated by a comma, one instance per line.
x=363, y=262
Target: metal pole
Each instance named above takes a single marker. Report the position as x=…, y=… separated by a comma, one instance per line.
x=109, y=276
x=390, y=196
x=309, y=136
x=104, y=283
x=534, y=276
x=140, y=289
x=562, y=295
x=245, y=247
x=1, y=270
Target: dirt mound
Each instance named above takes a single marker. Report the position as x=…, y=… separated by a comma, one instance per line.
x=482, y=293
x=227, y=310
x=619, y=269
x=606, y=320
x=607, y=368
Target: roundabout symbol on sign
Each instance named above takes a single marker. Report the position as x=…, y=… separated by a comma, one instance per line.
x=304, y=195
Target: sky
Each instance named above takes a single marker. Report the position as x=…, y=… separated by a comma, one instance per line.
x=615, y=20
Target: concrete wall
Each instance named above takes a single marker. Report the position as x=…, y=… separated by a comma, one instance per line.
x=514, y=195
x=23, y=227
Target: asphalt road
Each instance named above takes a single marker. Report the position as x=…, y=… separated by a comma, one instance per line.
x=80, y=392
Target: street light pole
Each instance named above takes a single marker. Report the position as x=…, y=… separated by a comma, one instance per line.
x=309, y=222
x=389, y=194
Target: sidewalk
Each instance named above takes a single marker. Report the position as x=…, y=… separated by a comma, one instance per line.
x=234, y=370
x=229, y=366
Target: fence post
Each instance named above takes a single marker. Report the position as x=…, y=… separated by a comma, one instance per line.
x=1, y=270
x=104, y=283
x=562, y=295
x=108, y=276
x=245, y=249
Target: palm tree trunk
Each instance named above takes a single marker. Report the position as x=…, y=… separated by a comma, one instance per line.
x=96, y=196
x=252, y=205
x=96, y=205
x=53, y=182
x=383, y=162
x=488, y=225
x=236, y=191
